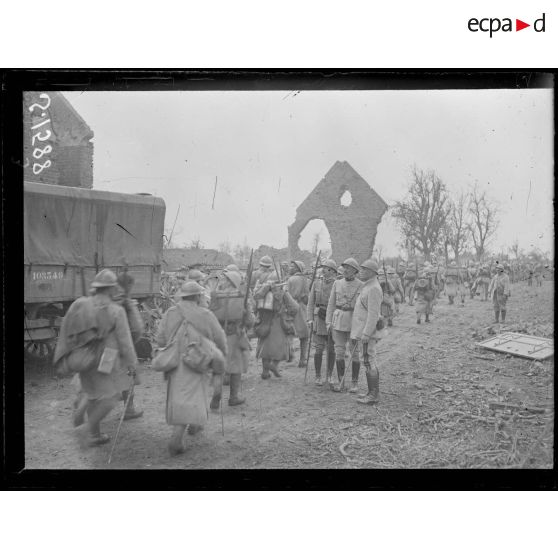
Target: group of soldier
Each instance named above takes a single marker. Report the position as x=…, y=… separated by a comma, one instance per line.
x=339, y=310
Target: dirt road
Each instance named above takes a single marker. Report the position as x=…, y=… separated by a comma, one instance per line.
x=434, y=412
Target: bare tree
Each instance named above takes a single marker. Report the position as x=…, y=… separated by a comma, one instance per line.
x=225, y=247
x=195, y=244
x=423, y=212
x=484, y=219
x=241, y=253
x=458, y=228
x=515, y=250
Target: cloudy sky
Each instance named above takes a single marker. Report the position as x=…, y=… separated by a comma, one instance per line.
x=268, y=150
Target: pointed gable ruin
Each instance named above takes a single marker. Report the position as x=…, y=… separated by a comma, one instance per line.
x=352, y=228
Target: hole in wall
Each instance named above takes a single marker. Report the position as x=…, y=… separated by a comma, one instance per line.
x=346, y=199
x=315, y=237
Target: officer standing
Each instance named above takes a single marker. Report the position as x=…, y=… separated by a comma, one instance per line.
x=297, y=286
x=316, y=315
x=339, y=317
x=364, y=327
x=500, y=291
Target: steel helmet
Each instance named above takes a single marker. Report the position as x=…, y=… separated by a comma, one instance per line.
x=299, y=265
x=370, y=264
x=500, y=267
x=234, y=277
x=105, y=278
x=190, y=288
x=352, y=263
x=331, y=264
x=266, y=261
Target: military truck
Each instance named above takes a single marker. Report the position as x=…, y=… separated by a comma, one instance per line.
x=72, y=233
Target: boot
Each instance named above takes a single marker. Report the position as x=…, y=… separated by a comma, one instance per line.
x=373, y=381
x=329, y=372
x=218, y=381
x=291, y=350
x=303, y=355
x=226, y=379
x=427, y=319
x=131, y=412
x=97, y=410
x=340, y=373
x=318, y=368
x=390, y=322
x=418, y=320
x=354, y=382
x=496, y=316
x=79, y=409
x=273, y=367
x=234, y=399
x=265, y=372
x=176, y=446
x=503, y=316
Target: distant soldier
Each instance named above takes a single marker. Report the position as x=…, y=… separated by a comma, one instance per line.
x=408, y=282
x=339, y=317
x=538, y=275
x=388, y=302
x=227, y=301
x=316, y=314
x=276, y=309
x=400, y=269
x=187, y=403
x=99, y=317
x=483, y=281
x=364, y=327
x=262, y=272
x=395, y=280
x=499, y=290
x=297, y=287
x=453, y=282
x=425, y=290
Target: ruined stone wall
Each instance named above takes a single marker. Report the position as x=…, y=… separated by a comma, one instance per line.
x=352, y=229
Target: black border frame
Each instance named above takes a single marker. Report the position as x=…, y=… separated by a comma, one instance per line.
x=14, y=82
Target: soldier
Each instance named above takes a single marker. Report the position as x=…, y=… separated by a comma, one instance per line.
x=411, y=274
x=234, y=319
x=316, y=314
x=276, y=309
x=388, y=302
x=453, y=281
x=395, y=280
x=425, y=290
x=538, y=275
x=499, y=290
x=483, y=280
x=98, y=316
x=297, y=286
x=364, y=327
x=197, y=276
x=339, y=316
x=187, y=404
x=263, y=271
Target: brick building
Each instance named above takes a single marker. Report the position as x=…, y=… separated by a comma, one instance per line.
x=352, y=228
x=56, y=141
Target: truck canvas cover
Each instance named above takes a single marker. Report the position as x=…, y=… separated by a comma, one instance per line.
x=81, y=227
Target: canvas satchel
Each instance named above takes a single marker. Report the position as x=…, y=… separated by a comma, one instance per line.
x=167, y=358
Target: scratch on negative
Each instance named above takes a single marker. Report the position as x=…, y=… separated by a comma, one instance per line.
x=125, y=230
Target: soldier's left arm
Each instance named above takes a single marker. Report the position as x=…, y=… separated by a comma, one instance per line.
x=374, y=301
x=291, y=303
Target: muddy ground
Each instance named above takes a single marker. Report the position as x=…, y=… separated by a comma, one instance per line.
x=436, y=386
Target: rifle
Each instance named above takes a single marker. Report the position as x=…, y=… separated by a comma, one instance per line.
x=248, y=279
x=312, y=324
x=130, y=393
x=279, y=275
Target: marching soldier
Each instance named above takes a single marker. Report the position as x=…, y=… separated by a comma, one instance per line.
x=453, y=281
x=364, y=327
x=425, y=289
x=227, y=304
x=297, y=286
x=262, y=272
x=100, y=316
x=409, y=278
x=187, y=404
x=316, y=314
x=276, y=310
x=388, y=302
x=395, y=280
x=339, y=316
x=483, y=281
x=499, y=290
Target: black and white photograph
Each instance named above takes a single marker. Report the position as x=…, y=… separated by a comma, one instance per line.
x=282, y=278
